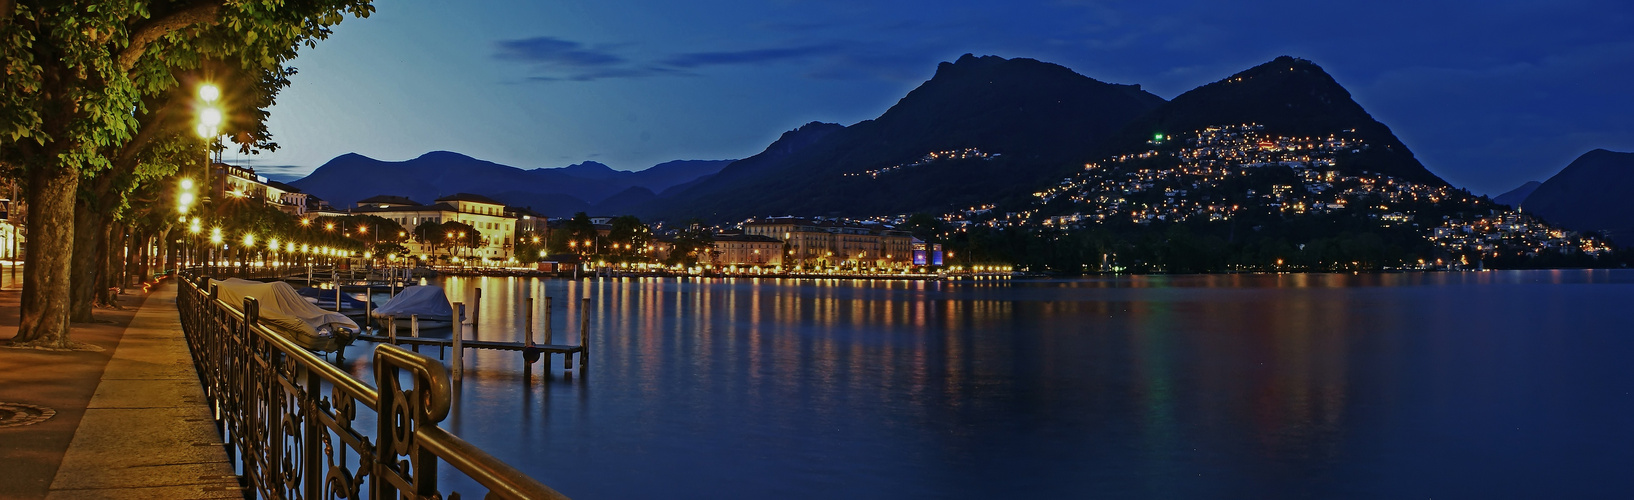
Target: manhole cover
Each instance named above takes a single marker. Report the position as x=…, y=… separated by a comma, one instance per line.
x=19, y=414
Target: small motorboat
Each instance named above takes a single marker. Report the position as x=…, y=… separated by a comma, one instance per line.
x=285, y=311
x=428, y=304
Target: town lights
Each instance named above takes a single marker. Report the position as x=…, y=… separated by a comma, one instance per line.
x=249, y=240
x=215, y=235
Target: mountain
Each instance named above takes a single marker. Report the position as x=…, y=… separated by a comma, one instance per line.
x=981, y=128
x=1290, y=97
x=1515, y=196
x=1590, y=194
x=553, y=191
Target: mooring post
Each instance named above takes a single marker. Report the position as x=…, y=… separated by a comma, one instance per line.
x=584, y=334
x=368, y=306
x=529, y=323
x=459, y=345
x=391, y=329
x=476, y=310
x=550, y=338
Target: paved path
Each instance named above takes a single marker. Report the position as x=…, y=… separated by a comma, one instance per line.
x=147, y=432
x=134, y=413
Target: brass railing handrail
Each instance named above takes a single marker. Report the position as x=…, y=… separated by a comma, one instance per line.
x=267, y=392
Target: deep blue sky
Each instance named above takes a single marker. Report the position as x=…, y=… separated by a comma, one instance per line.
x=1488, y=94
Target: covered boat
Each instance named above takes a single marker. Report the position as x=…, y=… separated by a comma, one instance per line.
x=288, y=313
x=428, y=303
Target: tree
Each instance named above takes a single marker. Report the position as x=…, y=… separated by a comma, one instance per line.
x=628, y=235
x=691, y=243
x=78, y=76
x=461, y=235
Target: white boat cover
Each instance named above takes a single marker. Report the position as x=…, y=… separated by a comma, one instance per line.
x=429, y=302
x=286, y=311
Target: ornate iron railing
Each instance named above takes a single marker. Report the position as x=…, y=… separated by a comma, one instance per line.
x=290, y=418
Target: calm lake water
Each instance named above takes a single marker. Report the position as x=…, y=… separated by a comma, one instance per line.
x=1444, y=385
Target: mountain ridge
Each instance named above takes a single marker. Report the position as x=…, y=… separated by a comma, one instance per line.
x=350, y=177
x=1590, y=194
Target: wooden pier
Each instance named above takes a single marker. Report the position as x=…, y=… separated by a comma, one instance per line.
x=531, y=350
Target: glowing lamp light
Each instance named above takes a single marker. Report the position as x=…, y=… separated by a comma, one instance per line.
x=209, y=92
x=273, y=244
x=187, y=183
x=210, y=117
x=249, y=240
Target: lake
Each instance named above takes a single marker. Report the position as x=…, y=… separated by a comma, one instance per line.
x=1440, y=385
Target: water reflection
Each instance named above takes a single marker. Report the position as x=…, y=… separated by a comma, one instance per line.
x=1169, y=386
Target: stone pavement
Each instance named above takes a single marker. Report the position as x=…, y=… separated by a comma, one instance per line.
x=131, y=421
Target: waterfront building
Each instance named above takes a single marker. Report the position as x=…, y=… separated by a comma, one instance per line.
x=818, y=242
x=738, y=249
x=233, y=182
x=495, y=224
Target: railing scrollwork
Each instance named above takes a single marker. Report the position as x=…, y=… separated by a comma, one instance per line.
x=291, y=419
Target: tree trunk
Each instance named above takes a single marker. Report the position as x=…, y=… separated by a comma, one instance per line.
x=167, y=257
x=44, y=311
x=108, y=274
x=142, y=258
x=88, y=236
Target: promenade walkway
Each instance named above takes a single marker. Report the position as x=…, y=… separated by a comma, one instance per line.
x=129, y=421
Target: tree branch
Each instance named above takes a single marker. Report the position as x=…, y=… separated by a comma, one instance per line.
x=147, y=32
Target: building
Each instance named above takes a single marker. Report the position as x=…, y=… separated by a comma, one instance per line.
x=236, y=182
x=495, y=225
x=819, y=242
x=737, y=249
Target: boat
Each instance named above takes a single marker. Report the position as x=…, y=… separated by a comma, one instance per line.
x=324, y=298
x=427, y=303
x=285, y=311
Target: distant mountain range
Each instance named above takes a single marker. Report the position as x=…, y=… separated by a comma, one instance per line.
x=1290, y=97
x=982, y=130
x=1514, y=197
x=588, y=186
x=1590, y=194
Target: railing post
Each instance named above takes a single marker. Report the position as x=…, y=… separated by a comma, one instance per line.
x=247, y=402
x=404, y=416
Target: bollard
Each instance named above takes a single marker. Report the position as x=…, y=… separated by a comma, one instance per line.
x=414, y=325
x=391, y=329
x=337, y=296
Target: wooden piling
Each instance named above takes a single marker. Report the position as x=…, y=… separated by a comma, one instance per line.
x=584, y=334
x=529, y=323
x=459, y=347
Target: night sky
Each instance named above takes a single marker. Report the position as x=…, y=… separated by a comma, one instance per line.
x=1488, y=94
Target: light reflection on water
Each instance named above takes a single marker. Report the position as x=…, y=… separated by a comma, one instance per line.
x=1296, y=386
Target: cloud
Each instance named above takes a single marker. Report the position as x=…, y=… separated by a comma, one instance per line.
x=549, y=51
x=750, y=57
x=551, y=59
